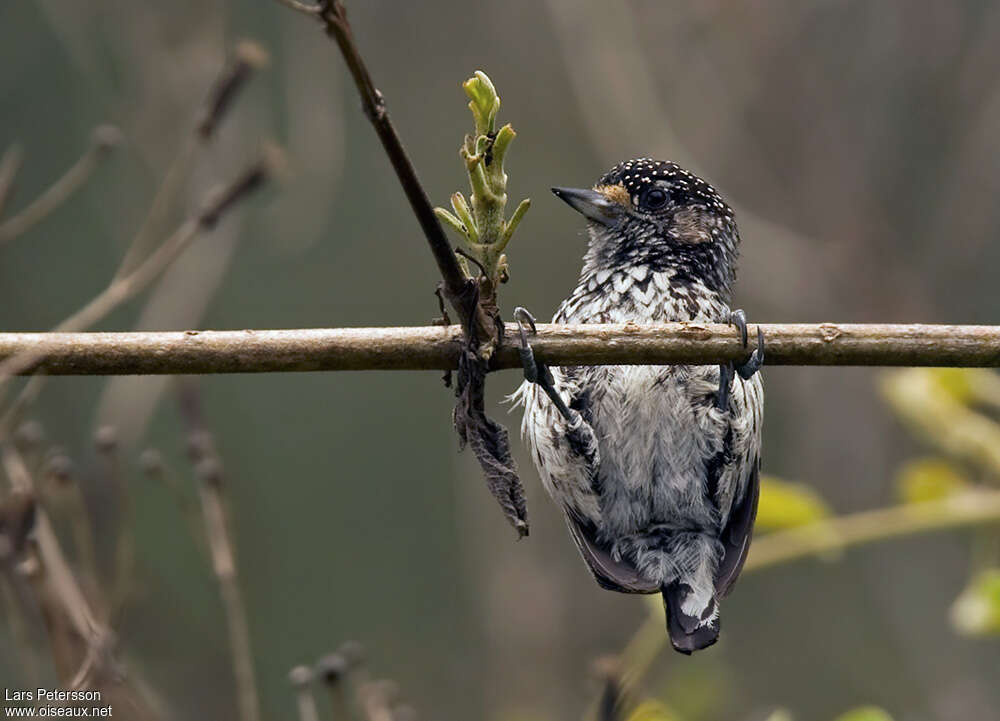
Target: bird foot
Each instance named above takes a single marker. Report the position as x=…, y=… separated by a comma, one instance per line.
x=536, y=372
x=745, y=370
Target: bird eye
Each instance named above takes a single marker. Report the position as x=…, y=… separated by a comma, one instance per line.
x=655, y=199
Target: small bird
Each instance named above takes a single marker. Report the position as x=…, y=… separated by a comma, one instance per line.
x=656, y=467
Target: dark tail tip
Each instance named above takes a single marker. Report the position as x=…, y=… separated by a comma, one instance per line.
x=686, y=635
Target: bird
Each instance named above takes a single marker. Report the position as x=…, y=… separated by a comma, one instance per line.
x=655, y=467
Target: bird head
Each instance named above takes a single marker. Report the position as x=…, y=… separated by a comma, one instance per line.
x=653, y=212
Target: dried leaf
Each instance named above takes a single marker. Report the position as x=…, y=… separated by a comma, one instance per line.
x=488, y=439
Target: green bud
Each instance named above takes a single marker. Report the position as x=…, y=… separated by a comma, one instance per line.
x=483, y=101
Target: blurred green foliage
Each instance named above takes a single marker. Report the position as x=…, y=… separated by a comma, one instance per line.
x=784, y=504
x=976, y=612
x=929, y=479
x=652, y=710
x=865, y=713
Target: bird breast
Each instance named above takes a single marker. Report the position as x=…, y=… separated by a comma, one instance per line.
x=640, y=295
x=657, y=426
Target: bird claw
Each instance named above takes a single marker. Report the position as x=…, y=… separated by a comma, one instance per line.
x=745, y=370
x=739, y=319
x=756, y=360
x=535, y=372
x=725, y=380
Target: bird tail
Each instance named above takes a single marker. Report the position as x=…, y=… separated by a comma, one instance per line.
x=688, y=632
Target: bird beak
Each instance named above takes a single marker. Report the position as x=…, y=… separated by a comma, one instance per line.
x=593, y=204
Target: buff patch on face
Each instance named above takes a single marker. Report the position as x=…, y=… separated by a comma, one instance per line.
x=615, y=193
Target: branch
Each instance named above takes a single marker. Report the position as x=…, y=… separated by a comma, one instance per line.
x=103, y=140
x=247, y=57
x=333, y=16
x=121, y=289
x=10, y=163
x=210, y=472
x=973, y=508
x=83, y=645
x=439, y=347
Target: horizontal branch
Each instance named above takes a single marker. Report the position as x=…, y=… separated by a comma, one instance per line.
x=438, y=347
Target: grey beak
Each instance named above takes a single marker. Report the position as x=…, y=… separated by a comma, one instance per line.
x=593, y=205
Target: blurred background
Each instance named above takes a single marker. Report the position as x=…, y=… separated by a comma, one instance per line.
x=858, y=143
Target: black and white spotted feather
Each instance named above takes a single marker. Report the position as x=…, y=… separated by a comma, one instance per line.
x=664, y=497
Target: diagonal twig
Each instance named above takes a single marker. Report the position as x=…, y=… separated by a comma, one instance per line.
x=333, y=16
x=10, y=163
x=965, y=510
x=233, y=77
x=483, y=330
x=103, y=140
x=83, y=646
x=139, y=257
x=264, y=168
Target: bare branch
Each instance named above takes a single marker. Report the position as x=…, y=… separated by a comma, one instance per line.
x=965, y=510
x=973, y=508
x=120, y=290
x=208, y=467
x=103, y=139
x=301, y=7
x=301, y=678
x=249, y=56
x=10, y=163
x=333, y=16
x=439, y=347
x=83, y=646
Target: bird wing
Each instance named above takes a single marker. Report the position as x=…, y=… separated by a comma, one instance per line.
x=737, y=534
x=610, y=574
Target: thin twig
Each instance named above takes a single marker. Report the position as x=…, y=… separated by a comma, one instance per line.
x=16, y=520
x=208, y=467
x=333, y=16
x=83, y=646
x=155, y=468
x=54, y=578
x=973, y=508
x=263, y=169
x=334, y=670
x=103, y=139
x=301, y=678
x=26, y=653
x=134, y=270
x=247, y=58
x=301, y=7
x=119, y=584
x=439, y=347
x=376, y=699
x=833, y=536
x=66, y=497
x=10, y=163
